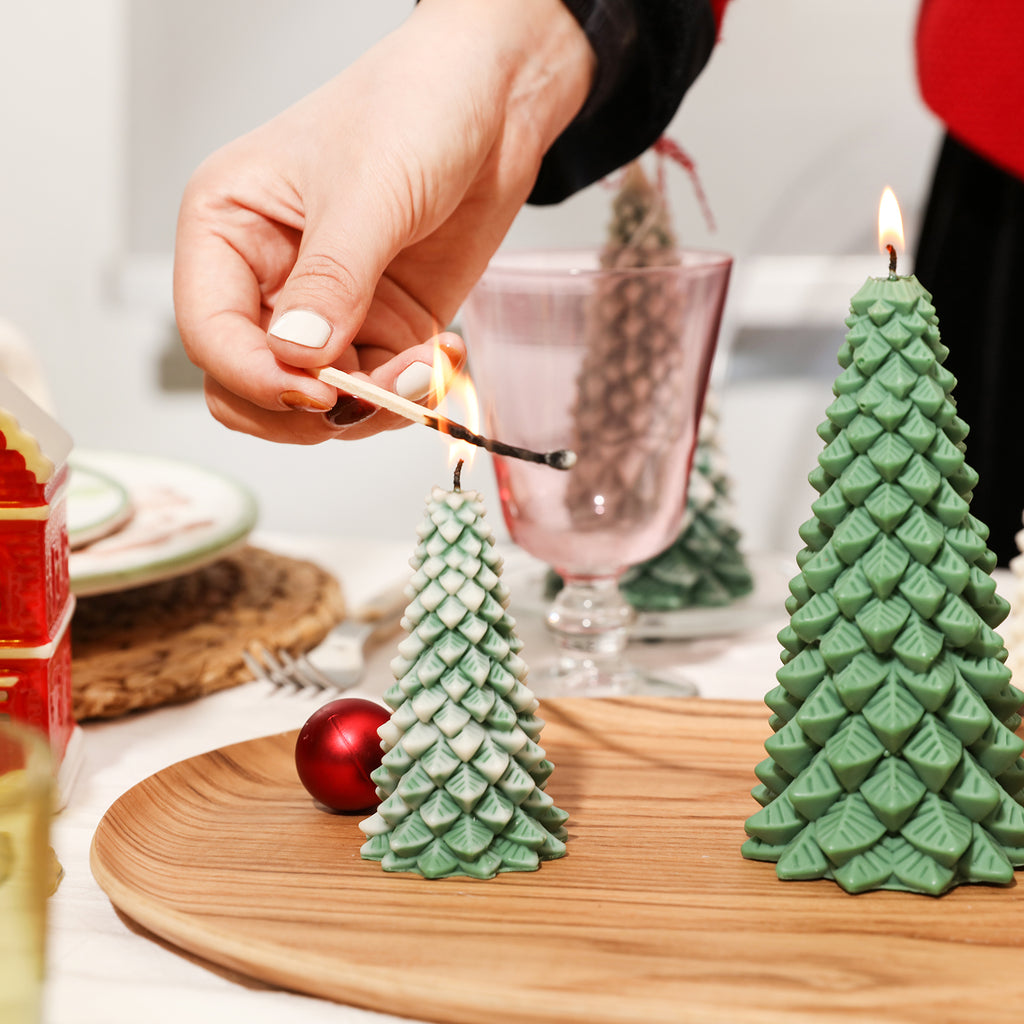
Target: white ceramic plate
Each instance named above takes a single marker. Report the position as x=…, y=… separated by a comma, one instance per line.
x=525, y=578
x=183, y=516
x=97, y=506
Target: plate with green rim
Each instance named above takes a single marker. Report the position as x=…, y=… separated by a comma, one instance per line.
x=97, y=506
x=182, y=517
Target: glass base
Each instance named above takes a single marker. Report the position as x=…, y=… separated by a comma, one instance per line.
x=575, y=677
x=590, y=621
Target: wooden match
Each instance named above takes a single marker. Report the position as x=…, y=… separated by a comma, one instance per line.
x=360, y=388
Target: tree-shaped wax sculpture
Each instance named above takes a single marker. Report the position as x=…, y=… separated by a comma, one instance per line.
x=462, y=781
x=704, y=566
x=631, y=329
x=893, y=763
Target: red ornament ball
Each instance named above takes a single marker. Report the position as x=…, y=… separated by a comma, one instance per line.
x=337, y=749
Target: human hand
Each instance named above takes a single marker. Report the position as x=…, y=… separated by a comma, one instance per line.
x=352, y=226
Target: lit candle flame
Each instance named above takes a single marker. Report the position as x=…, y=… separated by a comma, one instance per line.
x=446, y=387
x=890, y=223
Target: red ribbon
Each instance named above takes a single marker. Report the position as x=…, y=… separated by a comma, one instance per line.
x=670, y=149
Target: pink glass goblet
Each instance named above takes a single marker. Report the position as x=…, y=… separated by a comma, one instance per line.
x=613, y=364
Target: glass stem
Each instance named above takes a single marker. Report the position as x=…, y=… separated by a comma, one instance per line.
x=591, y=619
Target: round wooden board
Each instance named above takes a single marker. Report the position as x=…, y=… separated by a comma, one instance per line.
x=652, y=917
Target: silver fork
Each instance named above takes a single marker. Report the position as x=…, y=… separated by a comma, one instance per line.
x=353, y=638
x=282, y=670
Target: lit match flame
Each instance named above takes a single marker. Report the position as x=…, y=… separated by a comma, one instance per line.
x=441, y=374
x=447, y=386
x=563, y=458
x=890, y=223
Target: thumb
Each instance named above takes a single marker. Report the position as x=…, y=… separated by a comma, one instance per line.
x=328, y=293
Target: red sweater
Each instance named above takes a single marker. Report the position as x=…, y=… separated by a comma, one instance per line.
x=970, y=66
x=970, y=63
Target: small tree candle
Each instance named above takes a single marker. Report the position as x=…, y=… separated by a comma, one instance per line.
x=462, y=781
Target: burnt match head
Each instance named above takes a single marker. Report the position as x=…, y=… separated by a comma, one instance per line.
x=562, y=459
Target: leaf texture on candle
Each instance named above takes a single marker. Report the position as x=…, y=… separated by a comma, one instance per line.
x=462, y=779
x=892, y=670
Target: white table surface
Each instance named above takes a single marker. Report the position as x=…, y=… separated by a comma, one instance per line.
x=103, y=970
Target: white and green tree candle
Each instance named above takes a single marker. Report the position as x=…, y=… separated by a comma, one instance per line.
x=462, y=782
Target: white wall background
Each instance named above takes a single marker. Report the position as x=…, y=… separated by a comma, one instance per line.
x=806, y=111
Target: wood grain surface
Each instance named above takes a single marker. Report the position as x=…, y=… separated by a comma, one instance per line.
x=652, y=916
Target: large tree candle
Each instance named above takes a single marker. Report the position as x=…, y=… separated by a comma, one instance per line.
x=894, y=762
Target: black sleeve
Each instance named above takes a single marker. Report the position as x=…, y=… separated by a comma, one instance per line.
x=648, y=54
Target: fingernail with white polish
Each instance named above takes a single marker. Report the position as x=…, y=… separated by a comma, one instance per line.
x=415, y=381
x=303, y=327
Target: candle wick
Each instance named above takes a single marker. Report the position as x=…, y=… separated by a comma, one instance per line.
x=457, y=478
x=892, y=259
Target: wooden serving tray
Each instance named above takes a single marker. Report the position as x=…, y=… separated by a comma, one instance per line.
x=652, y=916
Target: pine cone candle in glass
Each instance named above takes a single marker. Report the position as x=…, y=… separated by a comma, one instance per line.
x=894, y=762
x=704, y=566
x=640, y=233
x=462, y=779
x=630, y=330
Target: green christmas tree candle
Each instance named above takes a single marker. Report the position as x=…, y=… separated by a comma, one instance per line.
x=704, y=566
x=462, y=782
x=893, y=762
